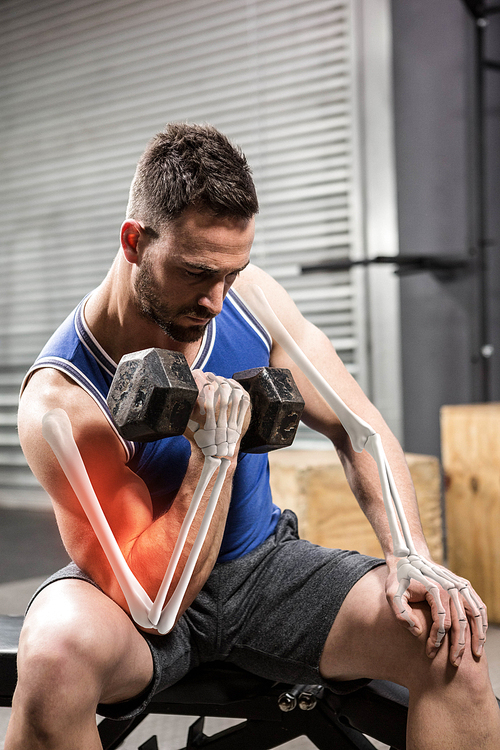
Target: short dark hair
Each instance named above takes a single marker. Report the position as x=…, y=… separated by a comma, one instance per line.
x=191, y=165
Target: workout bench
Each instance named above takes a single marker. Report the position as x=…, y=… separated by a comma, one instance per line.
x=272, y=713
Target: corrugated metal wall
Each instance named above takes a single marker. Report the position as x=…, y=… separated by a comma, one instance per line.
x=85, y=84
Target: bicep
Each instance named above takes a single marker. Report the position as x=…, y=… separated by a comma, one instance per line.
x=122, y=495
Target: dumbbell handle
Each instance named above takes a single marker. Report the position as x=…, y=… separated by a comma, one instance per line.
x=153, y=393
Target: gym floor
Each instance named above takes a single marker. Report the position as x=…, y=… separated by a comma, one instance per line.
x=30, y=549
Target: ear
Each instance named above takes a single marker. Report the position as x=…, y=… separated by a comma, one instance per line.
x=131, y=234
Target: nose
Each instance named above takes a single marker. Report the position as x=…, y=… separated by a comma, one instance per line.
x=213, y=297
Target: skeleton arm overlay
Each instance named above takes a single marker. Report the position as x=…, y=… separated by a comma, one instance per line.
x=363, y=437
x=217, y=441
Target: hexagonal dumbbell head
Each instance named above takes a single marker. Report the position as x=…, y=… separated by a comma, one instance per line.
x=276, y=408
x=152, y=395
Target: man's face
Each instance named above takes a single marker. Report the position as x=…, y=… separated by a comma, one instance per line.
x=183, y=277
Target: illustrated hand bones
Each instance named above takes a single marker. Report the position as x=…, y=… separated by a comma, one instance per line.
x=363, y=437
x=217, y=439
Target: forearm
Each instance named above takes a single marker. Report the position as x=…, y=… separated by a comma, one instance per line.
x=363, y=477
x=152, y=549
x=322, y=377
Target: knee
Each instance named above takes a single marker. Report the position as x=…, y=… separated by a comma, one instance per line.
x=469, y=681
x=58, y=675
x=472, y=677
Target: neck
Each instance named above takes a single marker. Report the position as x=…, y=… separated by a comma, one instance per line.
x=118, y=326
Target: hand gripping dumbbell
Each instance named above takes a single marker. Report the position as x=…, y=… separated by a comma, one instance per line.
x=153, y=394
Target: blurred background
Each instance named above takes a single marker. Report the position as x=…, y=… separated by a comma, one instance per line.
x=372, y=127
x=372, y=130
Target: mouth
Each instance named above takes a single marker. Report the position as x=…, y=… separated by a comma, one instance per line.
x=198, y=321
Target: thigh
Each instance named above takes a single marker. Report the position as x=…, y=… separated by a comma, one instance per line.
x=71, y=624
x=278, y=603
x=366, y=639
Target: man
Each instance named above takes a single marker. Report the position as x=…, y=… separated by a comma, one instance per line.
x=259, y=596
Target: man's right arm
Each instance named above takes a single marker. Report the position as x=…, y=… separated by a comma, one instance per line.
x=146, y=543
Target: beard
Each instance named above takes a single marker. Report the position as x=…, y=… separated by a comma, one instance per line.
x=152, y=307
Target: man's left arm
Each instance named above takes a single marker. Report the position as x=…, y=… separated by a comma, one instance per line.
x=360, y=468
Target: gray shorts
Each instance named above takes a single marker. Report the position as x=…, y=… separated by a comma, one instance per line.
x=268, y=612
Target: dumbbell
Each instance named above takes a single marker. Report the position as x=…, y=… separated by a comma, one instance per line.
x=153, y=394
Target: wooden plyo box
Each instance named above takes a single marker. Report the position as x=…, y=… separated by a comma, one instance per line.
x=470, y=442
x=313, y=485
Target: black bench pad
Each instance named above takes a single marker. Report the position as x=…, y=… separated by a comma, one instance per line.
x=10, y=627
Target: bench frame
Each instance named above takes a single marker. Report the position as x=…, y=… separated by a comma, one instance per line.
x=222, y=690
x=219, y=689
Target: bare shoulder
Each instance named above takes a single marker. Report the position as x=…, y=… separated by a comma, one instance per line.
x=46, y=389
x=50, y=389
x=255, y=275
x=276, y=295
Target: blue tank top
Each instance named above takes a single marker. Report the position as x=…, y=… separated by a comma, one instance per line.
x=233, y=341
